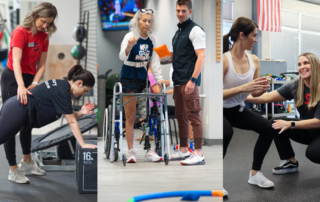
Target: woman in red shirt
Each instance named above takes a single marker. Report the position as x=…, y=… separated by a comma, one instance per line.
x=26, y=65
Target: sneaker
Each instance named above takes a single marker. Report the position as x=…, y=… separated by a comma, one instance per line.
x=31, y=168
x=131, y=157
x=152, y=156
x=178, y=155
x=225, y=193
x=18, y=176
x=286, y=166
x=194, y=159
x=260, y=180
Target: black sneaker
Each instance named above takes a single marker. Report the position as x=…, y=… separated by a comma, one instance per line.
x=286, y=166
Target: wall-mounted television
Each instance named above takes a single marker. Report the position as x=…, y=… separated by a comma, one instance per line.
x=116, y=14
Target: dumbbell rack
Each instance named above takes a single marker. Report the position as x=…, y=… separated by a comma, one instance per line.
x=85, y=24
x=285, y=102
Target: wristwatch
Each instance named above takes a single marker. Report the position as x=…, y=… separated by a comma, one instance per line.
x=293, y=124
x=193, y=79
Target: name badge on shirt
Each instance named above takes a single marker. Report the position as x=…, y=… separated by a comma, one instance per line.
x=31, y=44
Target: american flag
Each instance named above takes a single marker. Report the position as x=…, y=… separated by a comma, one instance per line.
x=269, y=15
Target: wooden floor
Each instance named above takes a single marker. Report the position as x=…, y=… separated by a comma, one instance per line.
x=118, y=183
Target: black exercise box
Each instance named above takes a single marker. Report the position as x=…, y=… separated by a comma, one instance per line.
x=86, y=168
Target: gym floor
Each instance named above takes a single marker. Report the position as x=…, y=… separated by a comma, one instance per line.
x=119, y=183
x=301, y=186
x=52, y=187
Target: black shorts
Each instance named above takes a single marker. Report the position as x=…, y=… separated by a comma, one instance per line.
x=133, y=85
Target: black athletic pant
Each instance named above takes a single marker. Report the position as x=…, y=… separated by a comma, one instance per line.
x=9, y=88
x=248, y=120
x=310, y=137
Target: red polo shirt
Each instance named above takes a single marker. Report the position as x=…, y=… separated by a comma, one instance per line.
x=32, y=48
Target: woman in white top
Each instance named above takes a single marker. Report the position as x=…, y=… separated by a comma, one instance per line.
x=241, y=72
x=137, y=53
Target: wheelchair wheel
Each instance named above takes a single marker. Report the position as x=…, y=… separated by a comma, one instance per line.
x=157, y=140
x=109, y=132
x=104, y=133
x=116, y=154
x=166, y=158
x=124, y=159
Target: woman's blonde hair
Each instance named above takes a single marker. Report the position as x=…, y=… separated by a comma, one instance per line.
x=44, y=10
x=134, y=23
x=314, y=83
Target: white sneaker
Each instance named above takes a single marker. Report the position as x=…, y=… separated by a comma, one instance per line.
x=18, y=176
x=194, y=159
x=225, y=193
x=260, y=180
x=152, y=156
x=131, y=157
x=31, y=168
x=178, y=155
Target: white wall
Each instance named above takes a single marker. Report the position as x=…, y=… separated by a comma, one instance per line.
x=212, y=114
x=68, y=18
x=243, y=8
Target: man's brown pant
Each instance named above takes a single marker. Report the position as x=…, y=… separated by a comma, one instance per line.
x=188, y=109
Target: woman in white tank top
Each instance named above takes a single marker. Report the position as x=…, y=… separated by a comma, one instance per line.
x=241, y=72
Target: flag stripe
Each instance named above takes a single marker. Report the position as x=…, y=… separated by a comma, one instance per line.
x=269, y=15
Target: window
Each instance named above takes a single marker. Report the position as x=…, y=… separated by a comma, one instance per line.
x=300, y=34
x=228, y=11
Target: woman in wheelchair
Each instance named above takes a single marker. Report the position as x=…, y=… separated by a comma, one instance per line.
x=137, y=52
x=46, y=104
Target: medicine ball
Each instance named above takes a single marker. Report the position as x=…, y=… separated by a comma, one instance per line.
x=79, y=33
x=78, y=52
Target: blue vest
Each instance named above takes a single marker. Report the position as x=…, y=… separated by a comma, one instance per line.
x=140, y=52
x=184, y=56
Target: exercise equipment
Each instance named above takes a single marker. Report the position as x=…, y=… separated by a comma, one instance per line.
x=78, y=52
x=86, y=168
x=61, y=135
x=3, y=54
x=192, y=195
x=289, y=109
x=113, y=125
x=79, y=33
x=162, y=51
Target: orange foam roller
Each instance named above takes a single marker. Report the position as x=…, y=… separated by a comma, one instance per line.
x=217, y=193
x=162, y=51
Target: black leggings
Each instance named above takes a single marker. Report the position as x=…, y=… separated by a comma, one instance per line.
x=309, y=137
x=248, y=120
x=9, y=88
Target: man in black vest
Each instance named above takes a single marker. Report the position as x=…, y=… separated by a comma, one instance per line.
x=187, y=60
